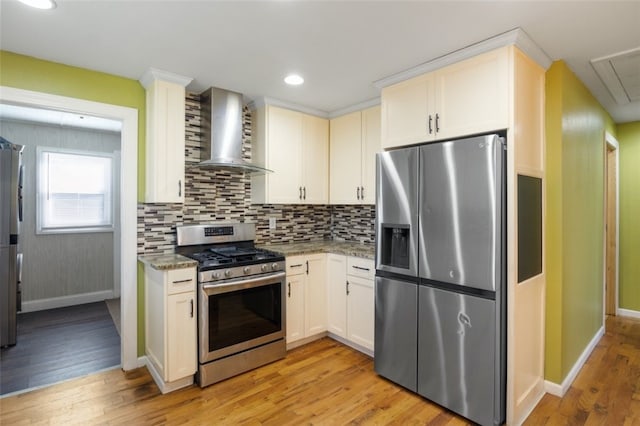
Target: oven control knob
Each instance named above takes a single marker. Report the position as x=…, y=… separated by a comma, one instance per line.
x=274, y=266
x=246, y=269
x=227, y=273
x=264, y=267
x=216, y=275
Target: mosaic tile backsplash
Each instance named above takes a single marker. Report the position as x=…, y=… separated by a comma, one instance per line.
x=216, y=195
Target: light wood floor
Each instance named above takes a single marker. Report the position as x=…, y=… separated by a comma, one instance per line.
x=323, y=383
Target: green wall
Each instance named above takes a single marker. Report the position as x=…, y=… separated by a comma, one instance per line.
x=575, y=126
x=29, y=73
x=628, y=136
x=25, y=72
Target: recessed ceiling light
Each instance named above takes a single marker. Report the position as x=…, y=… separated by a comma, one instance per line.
x=294, y=80
x=40, y=4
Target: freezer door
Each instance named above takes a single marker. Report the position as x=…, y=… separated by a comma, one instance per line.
x=395, y=341
x=461, y=211
x=397, y=211
x=457, y=354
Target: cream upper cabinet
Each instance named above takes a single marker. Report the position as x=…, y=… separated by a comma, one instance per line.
x=295, y=146
x=354, y=141
x=406, y=109
x=165, y=138
x=315, y=160
x=471, y=96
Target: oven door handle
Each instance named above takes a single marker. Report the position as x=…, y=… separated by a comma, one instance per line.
x=242, y=283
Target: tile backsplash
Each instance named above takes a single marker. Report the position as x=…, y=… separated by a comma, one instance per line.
x=216, y=195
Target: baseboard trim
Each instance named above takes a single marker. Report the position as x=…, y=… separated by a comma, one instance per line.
x=164, y=386
x=351, y=344
x=63, y=301
x=560, y=389
x=628, y=313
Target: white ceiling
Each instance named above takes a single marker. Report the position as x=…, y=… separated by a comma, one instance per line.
x=340, y=47
x=58, y=118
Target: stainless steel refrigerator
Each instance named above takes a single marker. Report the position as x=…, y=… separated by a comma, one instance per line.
x=440, y=323
x=11, y=179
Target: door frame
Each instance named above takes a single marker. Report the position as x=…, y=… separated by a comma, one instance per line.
x=611, y=144
x=128, y=199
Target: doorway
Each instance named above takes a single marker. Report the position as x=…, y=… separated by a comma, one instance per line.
x=128, y=198
x=611, y=225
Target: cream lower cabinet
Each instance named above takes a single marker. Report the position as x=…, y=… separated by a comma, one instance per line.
x=468, y=97
x=306, y=296
x=170, y=326
x=351, y=300
x=295, y=146
x=354, y=140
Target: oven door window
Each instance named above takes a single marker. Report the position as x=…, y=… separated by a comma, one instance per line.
x=243, y=315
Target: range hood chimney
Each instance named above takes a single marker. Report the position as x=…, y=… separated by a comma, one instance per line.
x=221, y=121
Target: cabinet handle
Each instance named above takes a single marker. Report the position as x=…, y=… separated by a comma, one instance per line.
x=430, y=124
x=179, y=188
x=347, y=288
x=360, y=267
x=307, y=267
x=304, y=193
x=358, y=193
x=191, y=308
x=182, y=281
x=288, y=289
x=296, y=266
x=362, y=192
x=437, y=123
x=300, y=193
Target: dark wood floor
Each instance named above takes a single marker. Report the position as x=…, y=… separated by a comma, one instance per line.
x=324, y=383
x=59, y=344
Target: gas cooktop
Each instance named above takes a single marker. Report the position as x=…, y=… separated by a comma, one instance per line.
x=231, y=256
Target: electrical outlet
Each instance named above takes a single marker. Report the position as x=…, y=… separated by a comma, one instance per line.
x=272, y=223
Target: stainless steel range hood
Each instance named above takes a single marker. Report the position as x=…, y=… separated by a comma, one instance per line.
x=221, y=115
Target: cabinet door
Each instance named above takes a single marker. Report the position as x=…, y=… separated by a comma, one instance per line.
x=405, y=112
x=284, y=138
x=181, y=336
x=165, y=142
x=360, y=311
x=472, y=96
x=295, y=307
x=370, y=146
x=315, y=294
x=345, y=152
x=337, y=294
x=315, y=160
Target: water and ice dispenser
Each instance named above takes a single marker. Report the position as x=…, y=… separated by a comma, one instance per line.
x=395, y=245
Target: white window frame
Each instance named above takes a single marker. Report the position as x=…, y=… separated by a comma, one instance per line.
x=42, y=193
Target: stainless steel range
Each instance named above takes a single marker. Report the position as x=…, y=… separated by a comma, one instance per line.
x=241, y=299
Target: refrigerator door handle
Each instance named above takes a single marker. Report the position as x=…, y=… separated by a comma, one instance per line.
x=19, y=281
x=20, y=184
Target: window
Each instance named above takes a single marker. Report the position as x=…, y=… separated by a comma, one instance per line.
x=74, y=191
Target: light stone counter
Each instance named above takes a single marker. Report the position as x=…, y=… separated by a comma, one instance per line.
x=347, y=248
x=165, y=262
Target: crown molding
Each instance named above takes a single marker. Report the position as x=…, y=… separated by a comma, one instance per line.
x=153, y=74
x=357, y=107
x=262, y=101
x=515, y=37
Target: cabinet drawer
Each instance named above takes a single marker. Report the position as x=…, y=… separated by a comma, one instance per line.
x=181, y=280
x=360, y=267
x=296, y=265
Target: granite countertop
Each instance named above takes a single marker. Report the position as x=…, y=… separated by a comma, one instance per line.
x=347, y=248
x=167, y=261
